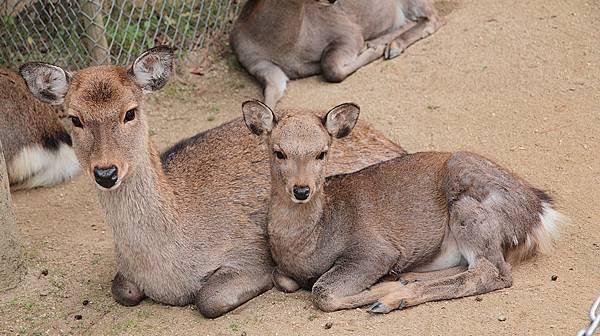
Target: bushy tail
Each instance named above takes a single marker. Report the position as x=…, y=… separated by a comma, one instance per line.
x=37, y=166
x=540, y=237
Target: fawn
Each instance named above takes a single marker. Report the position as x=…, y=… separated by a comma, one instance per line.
x=189, y=225
x=277, y=40
x=457, y=217
x=37, y=148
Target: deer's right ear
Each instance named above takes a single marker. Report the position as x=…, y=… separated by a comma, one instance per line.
x=151, y=71
x=258, y=117
x=47, y=82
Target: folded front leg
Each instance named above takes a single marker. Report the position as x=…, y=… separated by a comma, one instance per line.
x=345, y=285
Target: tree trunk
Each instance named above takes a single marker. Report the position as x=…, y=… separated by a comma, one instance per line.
x=11, y=261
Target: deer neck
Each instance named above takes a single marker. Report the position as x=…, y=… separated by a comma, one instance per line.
x=141, y=209
x=284, y=17
x=295, y=226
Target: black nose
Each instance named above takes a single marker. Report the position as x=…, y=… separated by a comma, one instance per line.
x=106, y=176
x=301, y=193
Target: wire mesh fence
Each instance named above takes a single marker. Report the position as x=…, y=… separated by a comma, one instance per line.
x=78, y=33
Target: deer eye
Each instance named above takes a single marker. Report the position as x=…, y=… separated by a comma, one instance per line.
x=76, y=121
x=321, y=156
x=130, y=115
x=279, y=155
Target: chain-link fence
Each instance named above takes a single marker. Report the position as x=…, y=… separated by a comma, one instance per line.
x=77, y=33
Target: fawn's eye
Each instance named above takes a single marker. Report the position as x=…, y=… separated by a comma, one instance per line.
x=321, y=156
x=76, y=121
x=279, y=155
x=130, y=115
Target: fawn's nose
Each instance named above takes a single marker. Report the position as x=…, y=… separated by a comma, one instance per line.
x=106, y=176
x=301, y=193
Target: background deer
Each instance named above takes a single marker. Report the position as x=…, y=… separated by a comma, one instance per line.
x=423, y=212
x=277, y=40
x=189, y=225
x=37, y=148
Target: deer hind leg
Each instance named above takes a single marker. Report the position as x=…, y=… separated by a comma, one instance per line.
x=273, y=79
x=475, y=230
x=228, y=288
x=409, y=277
x=428, y=22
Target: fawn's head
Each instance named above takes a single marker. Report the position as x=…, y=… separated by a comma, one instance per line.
x=109, y=131
x=299, y=143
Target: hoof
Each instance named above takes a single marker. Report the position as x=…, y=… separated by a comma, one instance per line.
x=392, y=52
x=379, y=308
x=126, y=292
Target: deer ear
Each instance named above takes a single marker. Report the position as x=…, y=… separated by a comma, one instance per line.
x=47, y=82
x=340, y=120
x=258, y=117
x=151, y=71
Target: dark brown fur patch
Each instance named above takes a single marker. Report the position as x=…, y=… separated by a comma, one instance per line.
x=100, y=92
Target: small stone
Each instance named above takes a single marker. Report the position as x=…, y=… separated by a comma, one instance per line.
x=78, y=317
x=554, y=277
x=243, y=333
x=85, y=302
x=45, y=272
x=478, y=299
x=328, y=325
x=501, y=318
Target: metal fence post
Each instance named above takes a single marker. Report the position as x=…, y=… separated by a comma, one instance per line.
x=94, y=36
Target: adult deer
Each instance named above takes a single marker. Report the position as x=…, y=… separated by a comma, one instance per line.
x=37, y=148
x=189, y=225
x=277, y=40
x=424, y=212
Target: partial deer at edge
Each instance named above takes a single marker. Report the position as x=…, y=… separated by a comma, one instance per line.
x=278, y=40
x=457, y=218
x=189, y=225
x=37, y=148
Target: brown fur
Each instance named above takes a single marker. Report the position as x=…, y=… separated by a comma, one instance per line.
x=189, y=226
x=26, y=124
x=420, y=212
x=277, y=40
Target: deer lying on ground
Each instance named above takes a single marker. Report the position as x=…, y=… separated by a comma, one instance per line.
x=36, y=146
x=277, y=40
x=429, y=212
x=190, y=225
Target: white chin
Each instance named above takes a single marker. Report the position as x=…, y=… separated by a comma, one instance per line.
x=108, y=189
x=297, y=201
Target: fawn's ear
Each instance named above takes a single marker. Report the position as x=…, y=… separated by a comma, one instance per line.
x=258, y=117
x=47, y=82
x=151, y=71
x=340, y=120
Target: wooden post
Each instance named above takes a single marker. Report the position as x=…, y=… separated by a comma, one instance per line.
x=95, y=37
x=12, y=267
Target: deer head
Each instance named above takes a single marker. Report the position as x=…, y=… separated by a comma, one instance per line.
x=299, y=144
x=110, y=133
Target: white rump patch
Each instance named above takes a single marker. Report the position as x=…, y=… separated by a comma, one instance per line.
x=36, y=166
x=546, y=233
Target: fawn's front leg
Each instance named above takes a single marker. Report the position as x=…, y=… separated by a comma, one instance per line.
x=345, y=285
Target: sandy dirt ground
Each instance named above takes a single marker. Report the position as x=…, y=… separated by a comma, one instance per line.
x=517, y=81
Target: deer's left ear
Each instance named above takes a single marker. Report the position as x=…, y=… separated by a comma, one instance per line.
x=151, y=71
x=47, y=82
x=259, y=118
x=340, y=120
